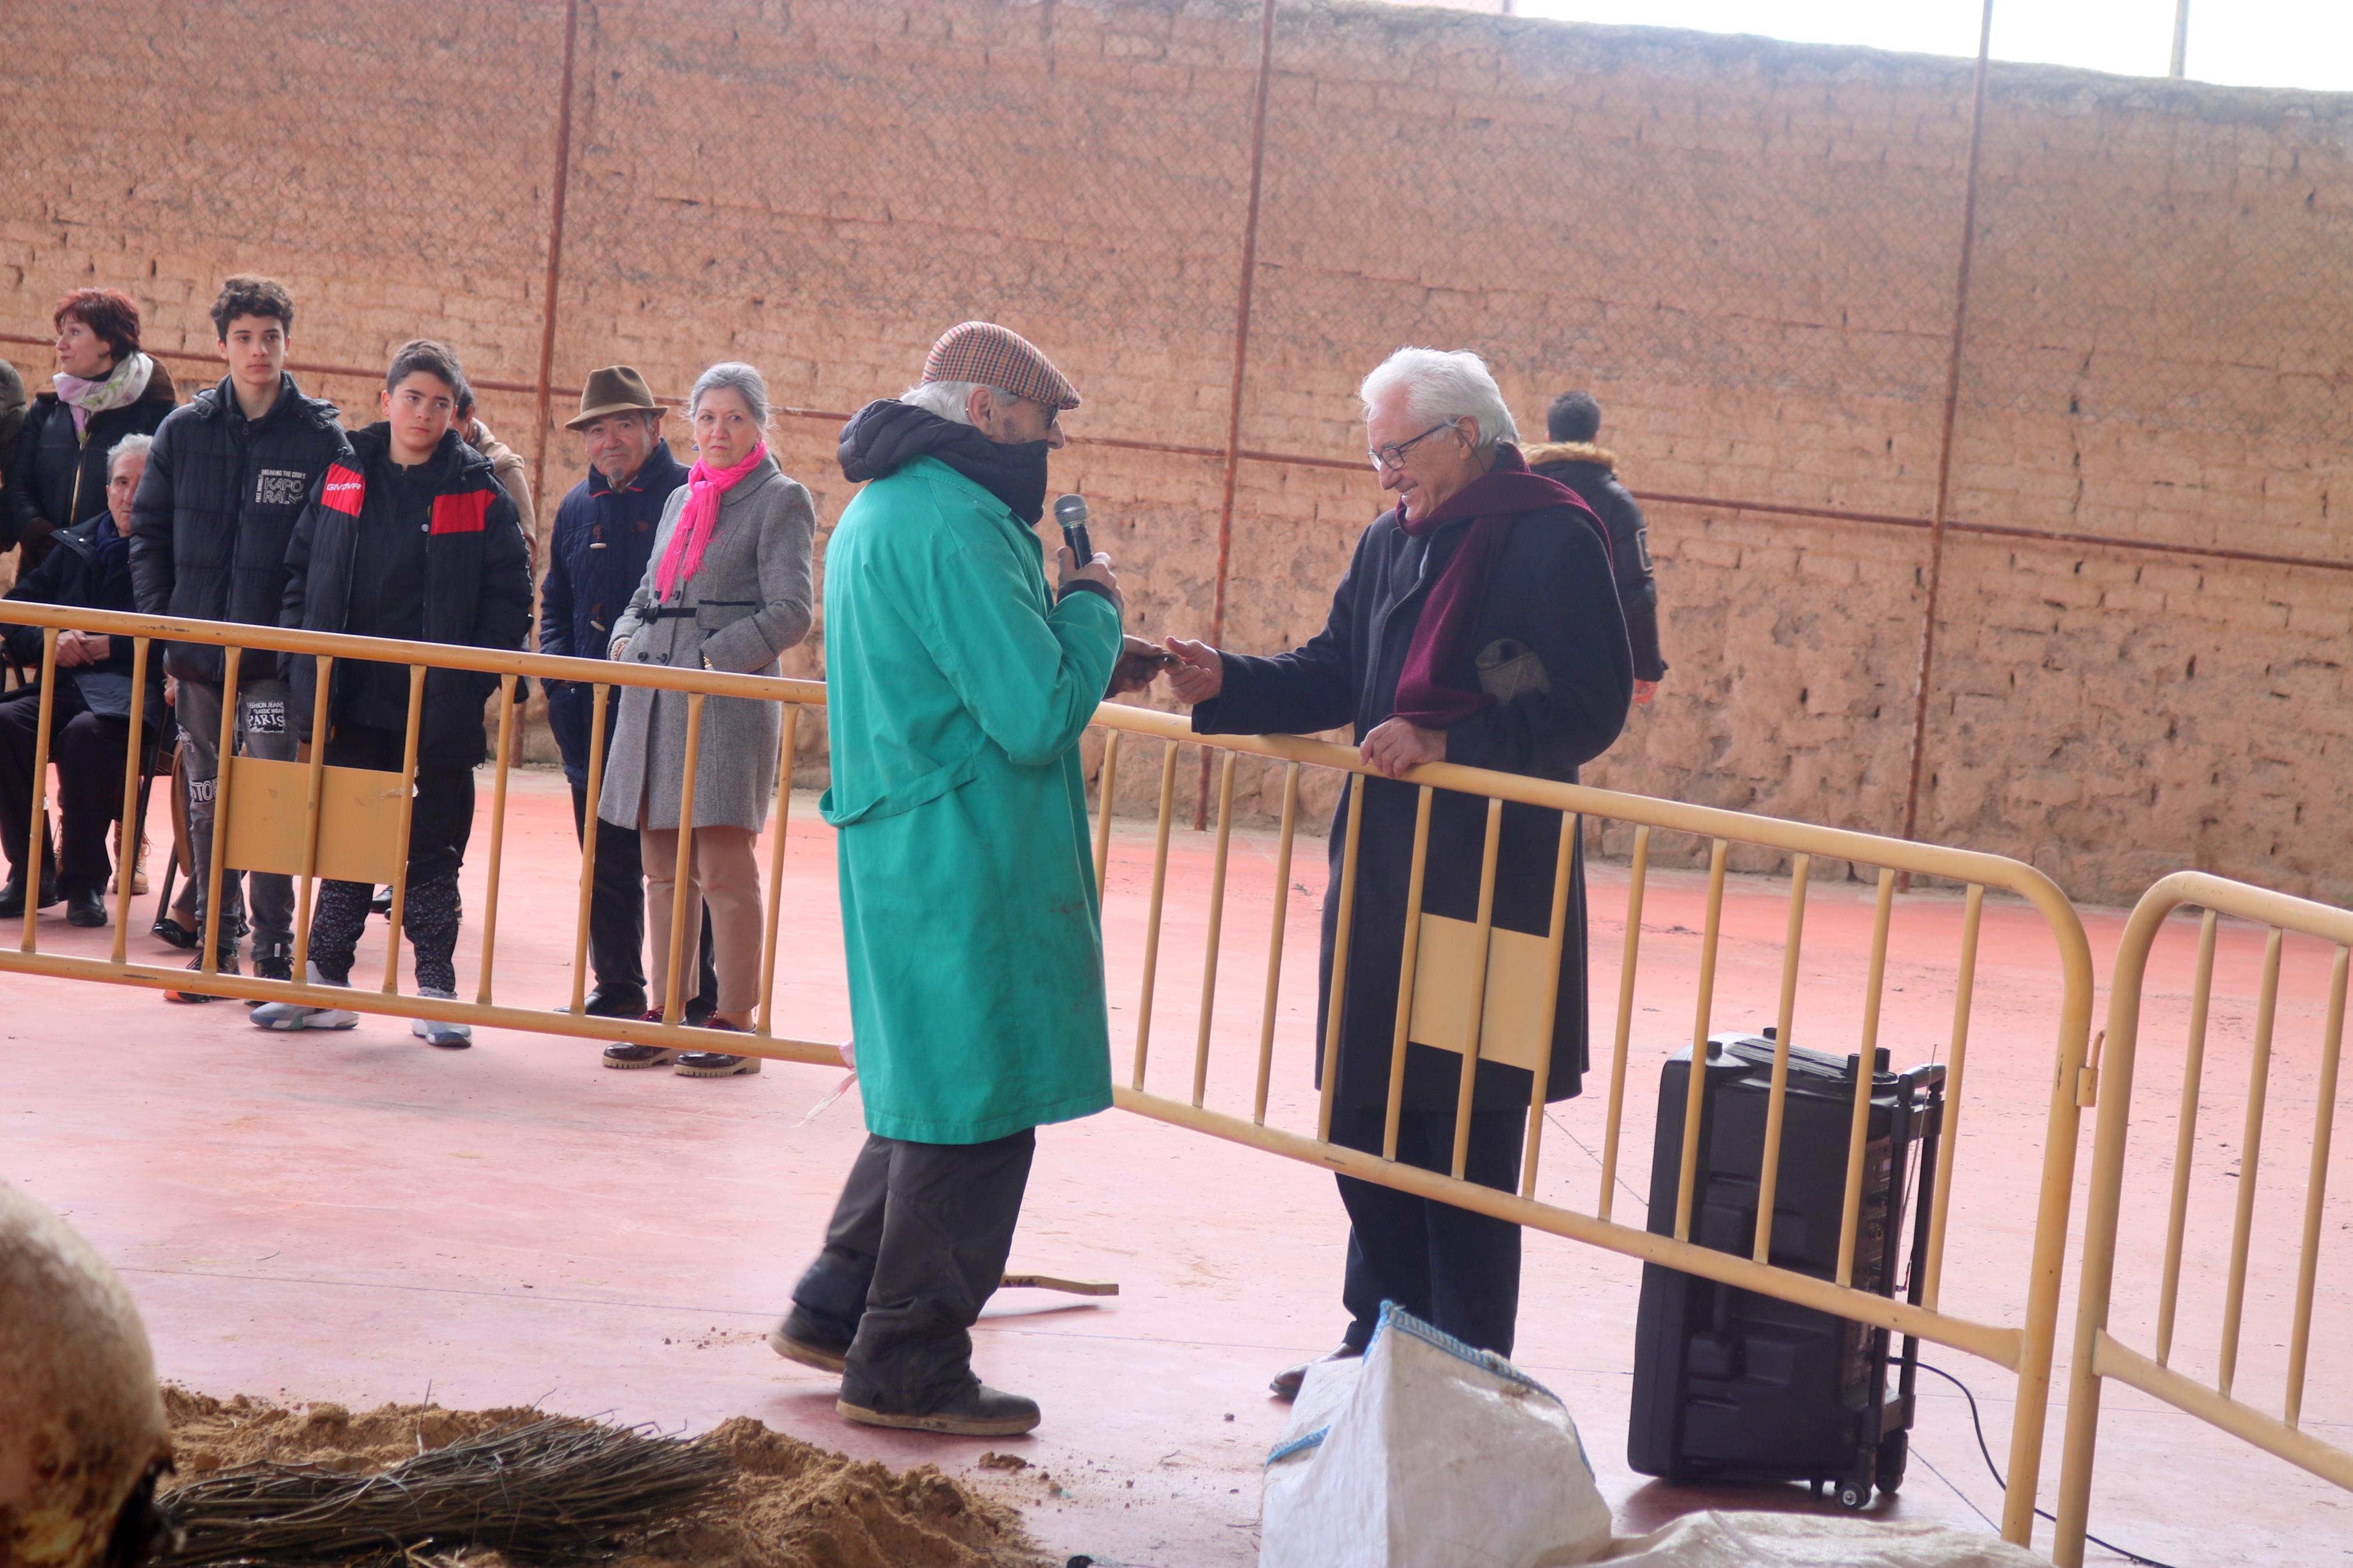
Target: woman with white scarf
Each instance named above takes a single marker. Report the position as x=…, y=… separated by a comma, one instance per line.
x=104, y=389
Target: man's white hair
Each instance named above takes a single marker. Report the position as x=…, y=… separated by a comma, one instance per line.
x=1443, y=384
x=129, y=447
x=951, y=400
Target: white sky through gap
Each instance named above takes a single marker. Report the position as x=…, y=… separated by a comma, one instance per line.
x=2241, y=43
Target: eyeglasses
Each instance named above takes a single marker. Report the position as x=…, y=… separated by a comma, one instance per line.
x=1393, y=455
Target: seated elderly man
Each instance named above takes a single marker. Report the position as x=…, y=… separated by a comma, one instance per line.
x=89, y=720
x=1478, y=624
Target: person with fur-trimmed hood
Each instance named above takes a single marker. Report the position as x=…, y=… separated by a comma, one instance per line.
x=410, y=536
x=1571, y=458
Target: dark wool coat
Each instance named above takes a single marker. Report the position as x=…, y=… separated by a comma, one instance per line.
x=1592, y=472
x=597, y=557
x=81, y=570
x=1550, y=592
x=216, y=511
x=58, y=477
x=477, y=583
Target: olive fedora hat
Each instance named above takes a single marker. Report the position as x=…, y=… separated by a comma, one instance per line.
x=616, y=389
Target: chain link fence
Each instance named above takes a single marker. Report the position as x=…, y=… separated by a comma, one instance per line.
x=1751, y=251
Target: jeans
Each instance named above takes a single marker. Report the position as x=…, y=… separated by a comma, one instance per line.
x=262, y=731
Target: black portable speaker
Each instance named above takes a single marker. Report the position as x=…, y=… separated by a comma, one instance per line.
x=1732, y=1385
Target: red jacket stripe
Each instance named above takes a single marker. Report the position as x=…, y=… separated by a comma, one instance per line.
x=461, y=513
x=344, y=490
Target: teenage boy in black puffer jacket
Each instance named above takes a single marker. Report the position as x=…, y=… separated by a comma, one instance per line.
x=410, y=536
x=225, y=480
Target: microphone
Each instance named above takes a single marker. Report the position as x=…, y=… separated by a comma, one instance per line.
x=1071, y=512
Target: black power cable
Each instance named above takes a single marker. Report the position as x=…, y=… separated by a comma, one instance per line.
x=1911, y=1191
x=2125, y=1553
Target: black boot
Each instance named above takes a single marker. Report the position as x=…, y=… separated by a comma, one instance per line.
x=85, y=906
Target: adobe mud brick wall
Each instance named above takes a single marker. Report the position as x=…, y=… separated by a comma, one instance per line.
x=1747, y=249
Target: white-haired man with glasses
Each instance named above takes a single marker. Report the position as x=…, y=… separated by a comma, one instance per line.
x=1478, y=624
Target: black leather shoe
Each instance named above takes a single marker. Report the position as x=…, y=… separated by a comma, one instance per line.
x=1285, y=1385
x=978, y=1412
x=614, y=1002
x=85, y=906
x=174, y=934
x=12, y=897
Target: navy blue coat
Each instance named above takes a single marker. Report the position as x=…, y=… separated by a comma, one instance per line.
x=595, y=558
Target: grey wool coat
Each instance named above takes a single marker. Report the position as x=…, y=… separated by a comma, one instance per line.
x=749, y=603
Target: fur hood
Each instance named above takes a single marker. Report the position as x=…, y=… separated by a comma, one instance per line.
x=1541, y=452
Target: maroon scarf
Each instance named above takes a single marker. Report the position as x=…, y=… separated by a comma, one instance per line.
x=1491, y=502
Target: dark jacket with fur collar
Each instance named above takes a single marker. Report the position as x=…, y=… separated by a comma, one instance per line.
x=477, y=582
x=1592, y=472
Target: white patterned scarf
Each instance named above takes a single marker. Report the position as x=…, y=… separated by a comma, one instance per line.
x=123, y=387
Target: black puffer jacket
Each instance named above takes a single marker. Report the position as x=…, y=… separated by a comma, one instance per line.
x=1592, y=472
x=477, y=581
x=211, y=521
x=58, y=477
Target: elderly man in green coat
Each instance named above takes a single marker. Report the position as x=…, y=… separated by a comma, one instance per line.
x=957, y=687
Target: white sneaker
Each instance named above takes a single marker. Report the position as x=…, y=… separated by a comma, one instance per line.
x=301, y=1015
x=435, y=1032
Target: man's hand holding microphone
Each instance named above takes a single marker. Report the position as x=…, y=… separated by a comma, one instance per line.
x=1140, y=659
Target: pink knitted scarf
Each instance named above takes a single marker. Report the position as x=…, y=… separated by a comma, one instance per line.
x=699, y=519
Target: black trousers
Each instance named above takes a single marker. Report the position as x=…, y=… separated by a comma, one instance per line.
x=917, y=1245
x=1457, y=1270
x=89, y=752
x=616, y=912
x=440, y=821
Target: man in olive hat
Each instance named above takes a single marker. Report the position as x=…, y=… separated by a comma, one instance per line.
x=959, y=678
x=597, y=556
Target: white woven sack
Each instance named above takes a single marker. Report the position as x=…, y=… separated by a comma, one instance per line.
x=1428, y=1454
x=1715, y=1540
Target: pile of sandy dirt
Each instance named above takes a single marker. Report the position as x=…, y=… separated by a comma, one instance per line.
x=791, y=1504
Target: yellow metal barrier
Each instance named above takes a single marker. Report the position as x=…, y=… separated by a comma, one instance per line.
x=1465, y=985
x=2098, y=1354
x=308, y=820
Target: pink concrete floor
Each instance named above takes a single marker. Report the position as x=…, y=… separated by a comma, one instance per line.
x=358, y=1217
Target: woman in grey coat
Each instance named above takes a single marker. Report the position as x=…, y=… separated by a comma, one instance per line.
x=727, y=589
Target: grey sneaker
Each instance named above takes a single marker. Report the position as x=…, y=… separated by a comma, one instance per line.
x=301, y=1015
x=435, y=1032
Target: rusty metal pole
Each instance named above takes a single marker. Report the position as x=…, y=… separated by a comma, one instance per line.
x=1945, y=450
x=554, y=253
x=1242, y=355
